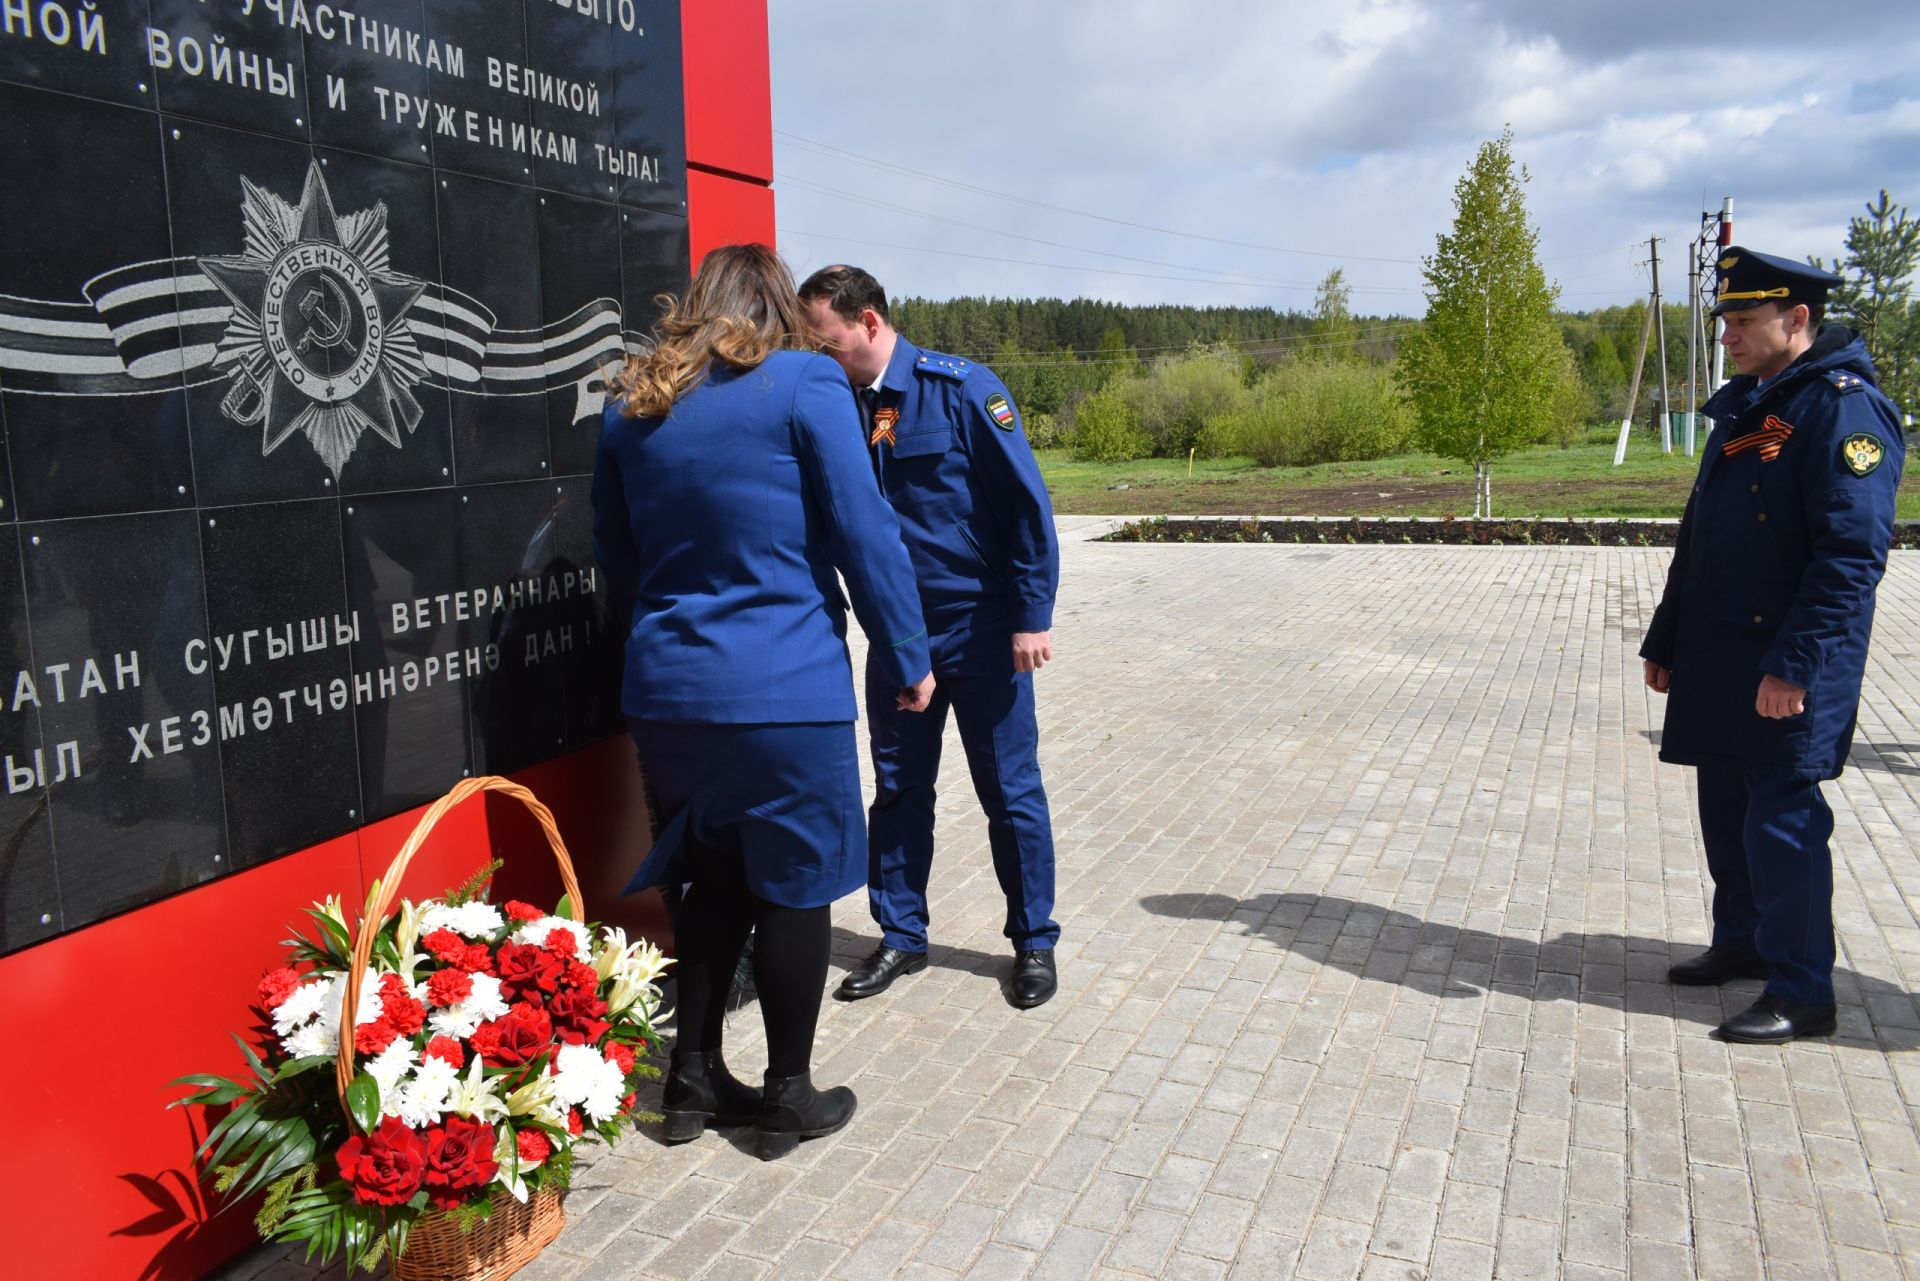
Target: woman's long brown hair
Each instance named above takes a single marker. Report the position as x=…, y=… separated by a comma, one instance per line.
x=741, y=306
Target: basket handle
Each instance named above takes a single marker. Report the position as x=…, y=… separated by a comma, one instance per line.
x=388, y=889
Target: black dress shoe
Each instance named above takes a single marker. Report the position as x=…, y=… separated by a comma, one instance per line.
x=877, y=973
x=1034, y=980
x=1718, y=965
x=1772, y=1021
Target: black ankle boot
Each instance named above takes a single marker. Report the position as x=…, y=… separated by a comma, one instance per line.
x=700, y=1092
x=793, y=1110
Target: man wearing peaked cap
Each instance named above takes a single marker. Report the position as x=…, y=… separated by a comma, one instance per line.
x=1760, y=639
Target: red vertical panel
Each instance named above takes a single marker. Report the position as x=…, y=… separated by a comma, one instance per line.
x=98, y=1172
x=723, y=48
x=726, y=211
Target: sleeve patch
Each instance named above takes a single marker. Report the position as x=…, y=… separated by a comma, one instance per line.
x=1001, y=411
x=1863, y=453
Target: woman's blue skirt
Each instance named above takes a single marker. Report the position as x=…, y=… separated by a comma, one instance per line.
x=783, y=801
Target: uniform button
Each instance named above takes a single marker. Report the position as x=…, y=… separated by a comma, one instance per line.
x=1763, y=515
x=1753, y=489
x=1758, y=619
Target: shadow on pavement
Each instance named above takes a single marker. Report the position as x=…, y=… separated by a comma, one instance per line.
x=1621, y=972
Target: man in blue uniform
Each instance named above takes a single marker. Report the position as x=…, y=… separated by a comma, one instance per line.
x=1760, y=641
x=951, y=456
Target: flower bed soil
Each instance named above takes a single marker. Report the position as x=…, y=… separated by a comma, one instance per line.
x=1518, y=531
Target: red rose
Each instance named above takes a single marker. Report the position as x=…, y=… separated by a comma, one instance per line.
x=459, y=1156
x=446, y=946
x=518, y=911
x=621, y=1057
x=528, y=972
x=277, y=986
x=578, y=1016
x=385, y=1167
x=534, y=1147
x=371, y=1038
x=449, y=987
x=448, y=1050
x=399, y=1007
x=519, y=1036
x=575, y=1126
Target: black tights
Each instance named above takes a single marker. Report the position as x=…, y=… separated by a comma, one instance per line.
x=789, y=963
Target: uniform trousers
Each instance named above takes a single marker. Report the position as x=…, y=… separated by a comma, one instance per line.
x=1001, y=738
x=1766, y=834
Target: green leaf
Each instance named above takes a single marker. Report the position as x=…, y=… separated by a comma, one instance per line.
x=565, y=907
x=363, y=1102
x=294, y=1067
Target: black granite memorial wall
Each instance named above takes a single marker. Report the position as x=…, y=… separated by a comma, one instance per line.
x=306, y=312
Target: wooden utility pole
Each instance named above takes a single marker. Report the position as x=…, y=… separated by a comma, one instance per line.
x=1660, y=325
x=1639, y=363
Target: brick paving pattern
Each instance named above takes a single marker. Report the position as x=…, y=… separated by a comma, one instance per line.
x=1369, y=879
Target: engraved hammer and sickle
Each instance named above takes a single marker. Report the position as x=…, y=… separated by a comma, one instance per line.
x=324, y=328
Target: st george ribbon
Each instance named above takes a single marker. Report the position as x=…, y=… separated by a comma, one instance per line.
x=310, y=325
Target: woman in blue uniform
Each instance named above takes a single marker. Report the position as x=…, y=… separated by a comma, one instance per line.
x=729, y=488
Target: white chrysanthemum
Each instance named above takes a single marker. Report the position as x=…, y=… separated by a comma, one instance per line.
x=471, y=920
x=425, y=1098
x=303, y=1003
x=312, y=1040
x=483, y=1003
x=369, y=1010
x=387, y=1069
x=535, y=933
x=585, y=1079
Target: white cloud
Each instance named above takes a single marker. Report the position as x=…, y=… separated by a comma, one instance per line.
x=1332, y=126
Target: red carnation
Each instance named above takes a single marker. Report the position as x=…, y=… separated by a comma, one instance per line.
x=518, y=911
x=563, y=944
x=528, y=972
x=449, y=987
x=477, y=958
x=519, y=1036
x=575, y=1126
x=620, y=1056
x=448, y=1050
x=371, y=1038
x=446, y=946
x=626, y=1104
x=277, y=986
x=583, y=976
x=534, y=1147
x=399, y=1007
x=459, y=1156
x=385, y=1167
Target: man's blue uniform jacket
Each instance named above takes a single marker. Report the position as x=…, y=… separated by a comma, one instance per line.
x=953, y=459
x=1782, y=545
x=722, y=524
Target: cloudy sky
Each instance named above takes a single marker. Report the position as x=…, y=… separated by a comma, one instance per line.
x=1232, y=151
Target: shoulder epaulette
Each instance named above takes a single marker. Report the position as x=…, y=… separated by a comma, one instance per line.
x=1844, y=382
x=932, y=362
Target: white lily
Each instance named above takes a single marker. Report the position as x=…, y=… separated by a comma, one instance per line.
x=539, y=1099
x=506, y=1154
x=632, y=970
x=476, y=1095
x=406, y=934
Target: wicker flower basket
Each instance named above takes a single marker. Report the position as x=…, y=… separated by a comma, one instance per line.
x=437, y=1250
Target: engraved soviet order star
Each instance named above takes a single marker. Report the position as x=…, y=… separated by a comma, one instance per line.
x=317, y=341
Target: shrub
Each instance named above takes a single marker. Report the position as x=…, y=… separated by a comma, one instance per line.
x=1044, y=431
x=1183, y=394
x=1308, y=412
x=1106, y=430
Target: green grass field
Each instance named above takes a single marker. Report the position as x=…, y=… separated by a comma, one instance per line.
x=1543, y=481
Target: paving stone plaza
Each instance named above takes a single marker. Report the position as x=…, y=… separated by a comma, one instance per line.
x=1369, y=878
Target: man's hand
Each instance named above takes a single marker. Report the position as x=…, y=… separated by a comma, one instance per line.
x=1032, y=651
x=1778, y=700
x=1658, y=677
x=914, y=698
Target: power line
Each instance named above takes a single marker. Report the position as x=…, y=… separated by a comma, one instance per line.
x=889, y=166
x=1063, y=266
x=855, y=198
